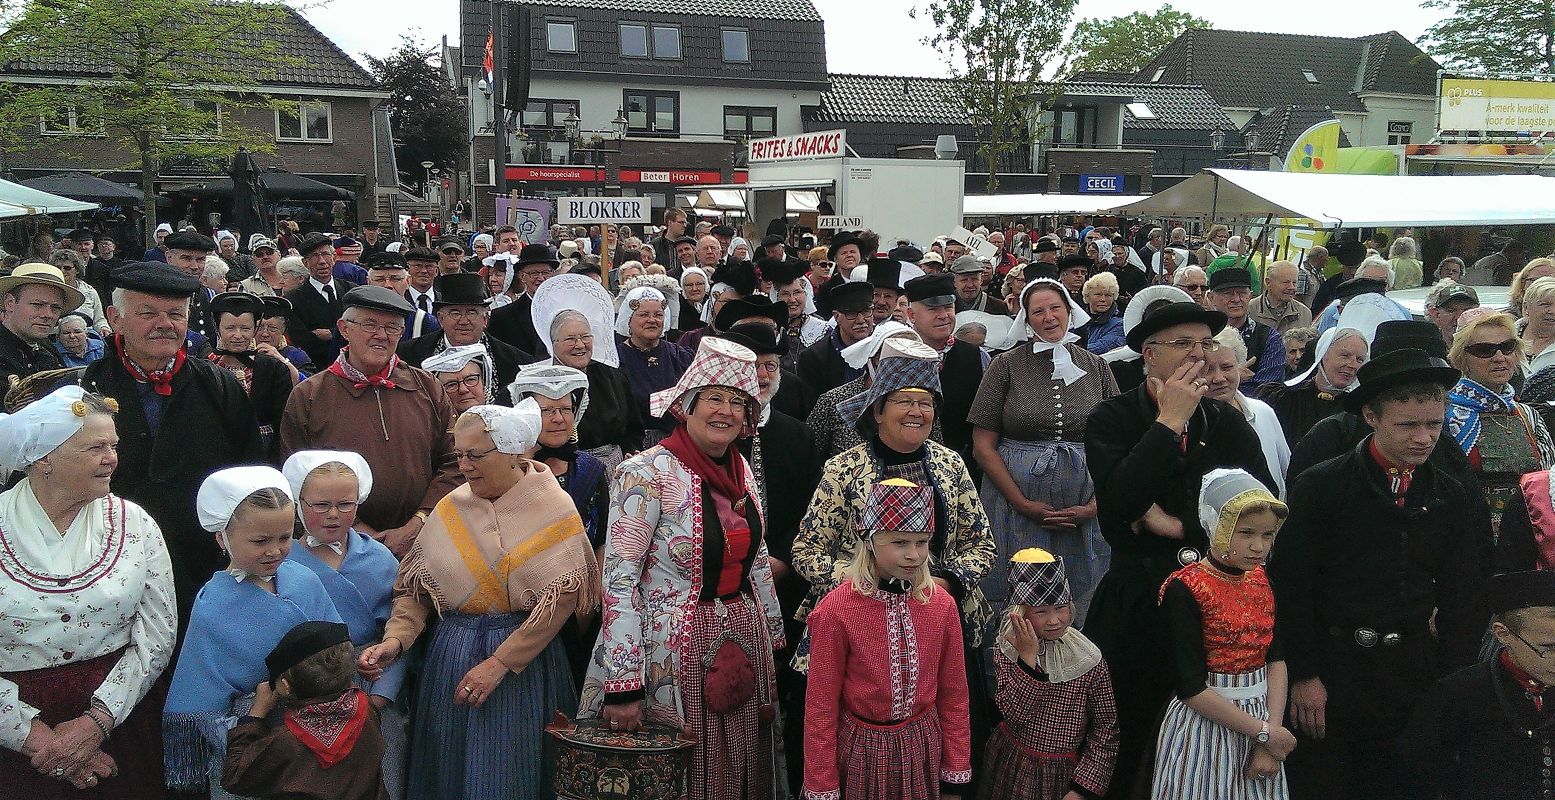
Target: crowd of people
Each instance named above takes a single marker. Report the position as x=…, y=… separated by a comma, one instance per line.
x=1102, y=514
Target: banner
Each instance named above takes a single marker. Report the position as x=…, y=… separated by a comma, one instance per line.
x=1486, y=104
x=531, y=216
x=590, y=210
x=1315, y=150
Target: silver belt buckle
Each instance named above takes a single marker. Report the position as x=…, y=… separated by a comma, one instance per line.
x=1187, y=556
x=1391, y=639
x=1366, y=637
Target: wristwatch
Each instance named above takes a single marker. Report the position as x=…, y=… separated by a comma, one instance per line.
x=1263, y=734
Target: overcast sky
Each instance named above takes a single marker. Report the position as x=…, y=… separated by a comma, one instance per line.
x=878, y=37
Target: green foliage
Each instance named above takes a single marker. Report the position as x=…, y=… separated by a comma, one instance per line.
x=997, y=52
x=153, y=74
x=425, y=111
x=1493, y=36
x=1126, y=43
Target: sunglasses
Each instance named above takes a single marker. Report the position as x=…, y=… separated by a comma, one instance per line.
x=1489, y=349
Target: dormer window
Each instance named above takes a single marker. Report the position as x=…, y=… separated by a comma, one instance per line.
x=1307, y=73
x=1140, y=111
x=1156, y=78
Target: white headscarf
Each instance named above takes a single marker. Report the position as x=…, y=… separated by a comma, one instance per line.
x=515, y=431
x=1064, y=368
x=628, y=305
x=582, y=294
x=554, y=381
x=1180, y=254
x=737, y=241
x=222, y=493
x=860, y=352
x=686, y=273
x=40, y=427
x=1135, y=312
x=302, y=463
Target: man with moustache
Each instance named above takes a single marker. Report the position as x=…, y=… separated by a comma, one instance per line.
x=884, y=275
x=821, y=365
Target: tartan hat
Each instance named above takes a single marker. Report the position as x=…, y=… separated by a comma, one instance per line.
x=1037, y=579
x=718, y=362
x=915, y=366
x=896, y=504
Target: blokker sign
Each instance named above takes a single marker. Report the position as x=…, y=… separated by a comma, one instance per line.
x=820, y=144
x=588, y=210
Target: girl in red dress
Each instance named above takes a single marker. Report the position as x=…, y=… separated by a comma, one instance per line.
x=886, y=713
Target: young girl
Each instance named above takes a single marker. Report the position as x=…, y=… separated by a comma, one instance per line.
x=1223, y=737
x=238, y=617
x=328, y=745
x=1059, y=738
x=356, y=570
x=886, y=713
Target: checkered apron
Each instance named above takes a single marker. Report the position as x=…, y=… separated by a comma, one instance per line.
x=734, y=755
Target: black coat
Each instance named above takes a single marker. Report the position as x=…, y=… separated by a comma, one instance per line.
x=792, y=469
x=506, y=359
x=514, y=324
x=207, y=424
x=310, y=312
x=1339, y=434
x=961, y=372
x=822, y=369
x=1477, y=736
x=612, y=416
x=270, y=386
x=21, y=359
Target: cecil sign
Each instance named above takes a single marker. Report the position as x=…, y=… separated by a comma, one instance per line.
x=820, y=144
x=1478, y=104
x=588, y=210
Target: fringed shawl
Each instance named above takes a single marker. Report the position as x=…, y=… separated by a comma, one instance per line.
x=362, y=591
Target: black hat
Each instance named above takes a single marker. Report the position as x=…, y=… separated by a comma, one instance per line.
x=1045, y=245
x=885, y=273
x=722, y=230
x=1230, y=278
x=189, y=240
x=737, y=275
x=906, y=252
x=377, y=298
x=932, y=290
x=420, y=254
x=459, y=289
x=1397, y=368
x=82, y=235
x=853, y=296
x=275, y=306
x=235, y=303
x=761, y=339
x=1350, y=288
x=537, y=253
x=1041, y=269
x=312, y=242
x=783, y=272
x=1400, y=334
x=302, y=643
x=450, y=241
x=379, y=259
x=1510, y=591
x=841, y=240
x=1348, y=252
x=680, y=240
x=1075, y=260
x=771, y=239
x=153, y=278
x=370, y=225
x=1166, y=316
x=1071, y=239
x=757, y=305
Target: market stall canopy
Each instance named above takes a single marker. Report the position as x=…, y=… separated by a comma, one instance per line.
x=17, y=200
x=1036, y=205
x=1356, y=201
x=278, y=185
x=83, y=186
x=799, y=201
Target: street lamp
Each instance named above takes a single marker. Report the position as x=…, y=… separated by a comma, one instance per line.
x=572, y=123
x=618, y=125
x=1217, y=139
x=426, y=187
x=1252, y=141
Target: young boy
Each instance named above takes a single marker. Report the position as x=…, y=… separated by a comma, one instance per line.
x=1488, y=731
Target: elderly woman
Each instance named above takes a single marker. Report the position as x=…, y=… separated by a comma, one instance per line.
x=690, y=613
x=357, y=571
x=1503, y=438
x=293, y=273
x=1302, y=401
x=465, y=375
x=86, y=592
x=1014, y=282
x=267, y=379
x=1165, y=264
x=1524, y=280
x=1104, y=332
x=503, y=564
x=693, y=297
x=1296, y=341
x=1223, y=373
x=739, y=250
x=76, y=345
x=270, y=339
x=1403, y=256
x=214, y=276
x=1028, y=435
x=581, y=339
x=651, y=362
x=832, y=433
x=73, y=267
x=628, y=271
x=1538, y=324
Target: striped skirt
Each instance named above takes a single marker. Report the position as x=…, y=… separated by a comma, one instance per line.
x=734, y=756
x=1196, y=758
x=890, y=762
x=1014, y=770
x=498, y=751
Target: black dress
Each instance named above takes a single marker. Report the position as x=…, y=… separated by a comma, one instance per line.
x=612, y=417
x=1300, y=407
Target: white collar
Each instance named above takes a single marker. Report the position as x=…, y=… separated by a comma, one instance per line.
x=312, y=541
x=321, y=286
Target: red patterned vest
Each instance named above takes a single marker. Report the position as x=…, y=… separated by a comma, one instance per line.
x=1237, y=613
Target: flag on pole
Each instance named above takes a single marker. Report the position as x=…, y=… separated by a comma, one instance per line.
x=488, y=63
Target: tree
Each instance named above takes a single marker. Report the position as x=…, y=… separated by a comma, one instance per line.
x=997, y=52
x=141, y=61
x=1493, y=36
x=427, y=115
x=1126, y=43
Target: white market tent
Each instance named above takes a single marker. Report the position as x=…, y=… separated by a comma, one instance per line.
x=733, y=200
x=1036, y=205
x=1356, y=201
x=17, y=200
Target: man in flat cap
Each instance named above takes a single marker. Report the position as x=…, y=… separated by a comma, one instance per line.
x=186, y=251
x=931, y=311
x=967, y=271
x=180, y=417
x=395, y=415
x=317, y=303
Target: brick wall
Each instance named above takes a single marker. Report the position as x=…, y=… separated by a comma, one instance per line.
x=1064, y=165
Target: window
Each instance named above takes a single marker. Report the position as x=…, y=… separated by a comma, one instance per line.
x=1307, y=73
x=1400, y=131
x=749, y=122
x=652, y=112
x=1156, y=78
x=1140, y=111
x=737, y=46
x=304, y=121
x=634, y=41
x=639, y=40
x=561, y=36
x=1076, y=126
x=70, y=121
x=208, y=127
x=548, y=113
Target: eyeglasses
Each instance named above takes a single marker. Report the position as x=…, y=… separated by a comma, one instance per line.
x=468, y=382
x=854, y=314
x=373, y=328
x=1193, y=287
x=1541, y=652
x=534, y=273
x=1489, y=349
x=558, y=411
x=1209, y=345
x=587, y=338
x=471, y=456
x=344, y=507
x=464, y=313
x=905, y=404
x=768, y=366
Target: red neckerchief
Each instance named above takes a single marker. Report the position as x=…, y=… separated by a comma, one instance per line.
x=358, y=380
x=1529, y=684
x=161, y=380
x=330, y=729
x=1399, y=478
x=727, y=479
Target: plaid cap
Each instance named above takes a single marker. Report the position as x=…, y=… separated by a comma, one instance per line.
x=718, y=362
x=1037, y=579
x=898, y=505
